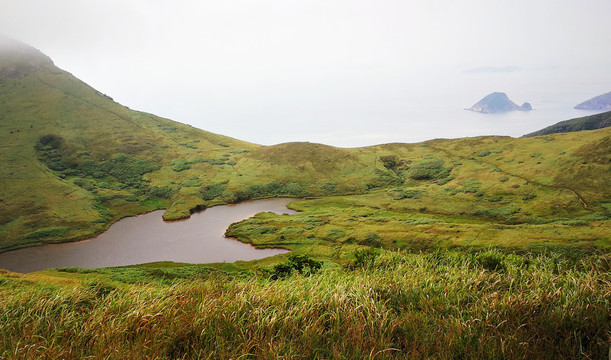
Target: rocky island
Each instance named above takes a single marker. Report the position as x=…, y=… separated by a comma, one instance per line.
x=498, y=102
x=600, y=102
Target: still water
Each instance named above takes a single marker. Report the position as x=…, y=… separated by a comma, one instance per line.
x=147, y=238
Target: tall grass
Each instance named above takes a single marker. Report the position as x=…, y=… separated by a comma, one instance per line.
x=414, y=306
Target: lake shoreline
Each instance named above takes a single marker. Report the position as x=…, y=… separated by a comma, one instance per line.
x=161, y=240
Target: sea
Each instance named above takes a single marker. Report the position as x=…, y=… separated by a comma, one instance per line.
x=388, y=106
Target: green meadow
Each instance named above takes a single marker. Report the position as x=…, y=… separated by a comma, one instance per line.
x=395, y=305
x=486, y=247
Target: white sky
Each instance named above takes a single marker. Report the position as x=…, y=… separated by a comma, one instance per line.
x=269, y=71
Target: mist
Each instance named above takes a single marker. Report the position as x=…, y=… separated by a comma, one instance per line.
x=344, y=73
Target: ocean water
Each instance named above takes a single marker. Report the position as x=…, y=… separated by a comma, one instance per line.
x=406, y=107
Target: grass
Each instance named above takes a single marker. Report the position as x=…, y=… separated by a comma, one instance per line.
x=418, y=306
x=85, y=161
x=487, y=247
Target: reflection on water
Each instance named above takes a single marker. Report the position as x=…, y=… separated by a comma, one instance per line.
x=147, y=238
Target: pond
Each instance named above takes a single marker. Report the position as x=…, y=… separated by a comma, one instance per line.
x=147, y=238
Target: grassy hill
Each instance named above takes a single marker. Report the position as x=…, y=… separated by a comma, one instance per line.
x=75, y=161
x=486, y=247
x=592, y=122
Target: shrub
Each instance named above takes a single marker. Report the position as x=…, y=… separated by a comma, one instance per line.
x=363, y=258
x=191, y=183
x=240, y=151
x=163, y=192
x=428, y=169
x=49, y=142
x=470, y=186
x=335, y=234
x=329, y=187
x=302, y=264
x=180, y=165
x=213, y=191
x=499, y=212
x=52, y=232
x=399, y=194
x=125, y=169
x=371, y=239
x=493, y=261
x=444, y=181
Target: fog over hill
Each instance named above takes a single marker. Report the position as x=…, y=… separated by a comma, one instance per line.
x=345, y=73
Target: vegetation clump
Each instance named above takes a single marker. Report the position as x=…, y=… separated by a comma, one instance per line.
x=428, y=169
x=302, y=264
x=124, y=169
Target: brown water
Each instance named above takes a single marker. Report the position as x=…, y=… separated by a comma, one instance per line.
x=147, y=238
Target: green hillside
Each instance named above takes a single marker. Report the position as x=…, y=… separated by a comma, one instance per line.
x=592, y=122
x=484, y=248
x=75, y=161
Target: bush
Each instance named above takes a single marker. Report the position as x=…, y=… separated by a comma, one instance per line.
x=191, y=183
x=271, y=189
x=125, y=169
x=52, y=232
x=493, y=261
x=180, y=165
x=500, y=212
x=363, y=259
x=399, y=194
x=213, y=191
x=335, y=234
x=162, y=192
x=49, y=142
x=371, y=239
x=428, y=169
x=240, y=151
x=302, y=264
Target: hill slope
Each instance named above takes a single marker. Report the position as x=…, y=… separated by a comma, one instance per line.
x=73, y=161
x=592, y=122
x=55, y=131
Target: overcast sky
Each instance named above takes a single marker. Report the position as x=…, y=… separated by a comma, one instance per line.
x=269, y=71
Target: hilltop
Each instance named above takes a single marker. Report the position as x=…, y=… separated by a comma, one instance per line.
x=498, y=102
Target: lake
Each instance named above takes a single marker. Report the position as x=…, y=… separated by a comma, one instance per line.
x=147, y=238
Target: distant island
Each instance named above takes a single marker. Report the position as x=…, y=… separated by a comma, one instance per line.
x=600, y=102
x=498, y=102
